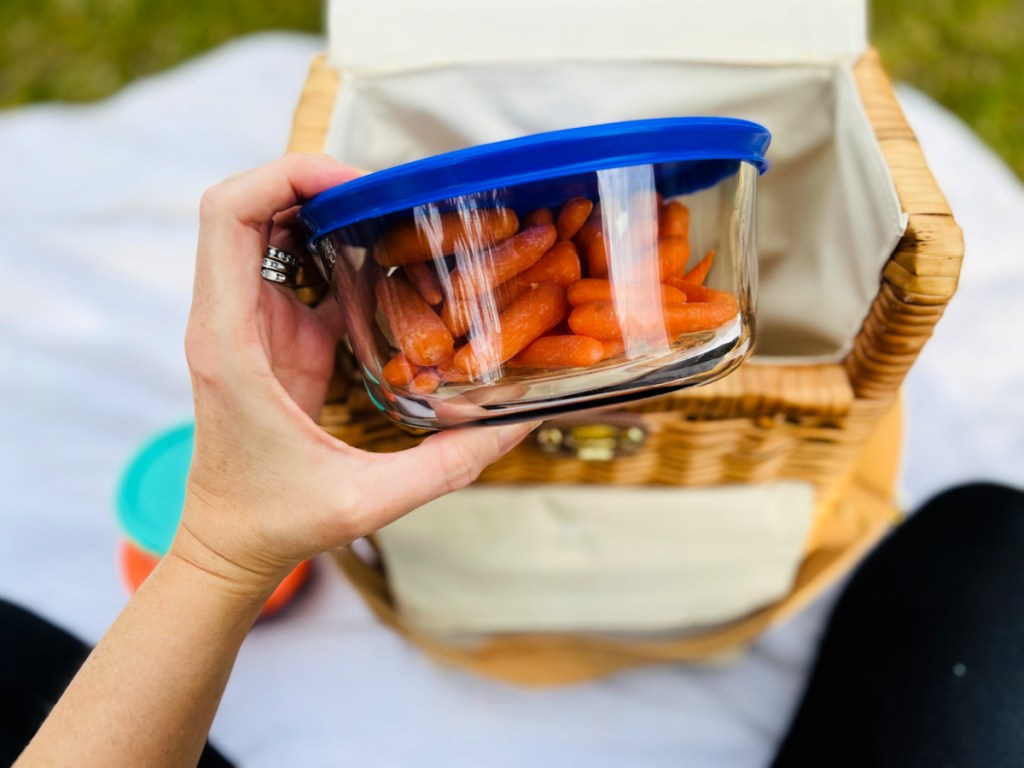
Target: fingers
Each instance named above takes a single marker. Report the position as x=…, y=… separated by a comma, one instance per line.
x=288, y=219
x=287, y=232
x=254, y=197
x=444, y=462
x=235, y=222
x=329, y=312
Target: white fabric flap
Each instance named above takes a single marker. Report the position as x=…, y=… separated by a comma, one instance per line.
x=387, y=36
x=601, y=559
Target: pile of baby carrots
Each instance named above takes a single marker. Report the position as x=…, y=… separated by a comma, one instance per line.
x=546, y=279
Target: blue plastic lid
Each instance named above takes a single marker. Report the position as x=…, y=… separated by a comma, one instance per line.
x=695, y=148
x=152, y=490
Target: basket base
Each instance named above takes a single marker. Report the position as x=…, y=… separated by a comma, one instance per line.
x=847, y=524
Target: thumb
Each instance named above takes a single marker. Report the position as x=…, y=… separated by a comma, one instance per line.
x=444, y=462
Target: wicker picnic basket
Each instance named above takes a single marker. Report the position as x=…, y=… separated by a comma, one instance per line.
x=836, y=426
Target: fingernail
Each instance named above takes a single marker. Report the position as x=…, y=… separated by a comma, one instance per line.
x=511, y=435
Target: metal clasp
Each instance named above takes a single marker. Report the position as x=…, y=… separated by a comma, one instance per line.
x=603, y=440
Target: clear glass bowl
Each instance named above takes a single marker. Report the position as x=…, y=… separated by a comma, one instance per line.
x=530, y=278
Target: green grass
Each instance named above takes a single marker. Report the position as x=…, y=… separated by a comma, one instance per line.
x=81, y=50
x=968, y=54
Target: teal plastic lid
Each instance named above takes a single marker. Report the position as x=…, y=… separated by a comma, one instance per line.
x=152, y=490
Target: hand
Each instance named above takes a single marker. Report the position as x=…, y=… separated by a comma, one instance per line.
x=268, y=488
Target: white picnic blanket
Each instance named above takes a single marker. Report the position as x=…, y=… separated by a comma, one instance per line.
x=98, y=209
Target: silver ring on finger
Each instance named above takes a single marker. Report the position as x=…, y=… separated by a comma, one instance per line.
x=278, y=267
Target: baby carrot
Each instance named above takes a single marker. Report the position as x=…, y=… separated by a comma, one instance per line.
x=673, y=253
x=589, y=290
x=597, y=257
x=599, y=320
x=424, y=280
x=560, y=352
x=538, y=309
x=699, y=273
x=613, y=347
x=559, y=265
x=425, y=382
x=594, y=289
x=700, y=316
x=502, y=262
x=416, y=328
x=411, y=240
x=399, y=371
x=572, y=217
x=458, y=315
x=538, y=217
x=701, y=293
x=673, y=220
x=672, y=295
x=590, y=229
x=450, y=374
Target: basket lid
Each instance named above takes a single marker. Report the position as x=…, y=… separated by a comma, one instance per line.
x=151, y=493
x=469, y=33
x=696, y=146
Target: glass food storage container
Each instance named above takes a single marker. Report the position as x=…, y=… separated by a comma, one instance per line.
x=556, y=272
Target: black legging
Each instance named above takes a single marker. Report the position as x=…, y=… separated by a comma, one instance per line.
x=922, y=664
x=37, y=661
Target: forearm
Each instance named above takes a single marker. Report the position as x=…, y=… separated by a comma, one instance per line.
x=267, y=488
x=148, y=692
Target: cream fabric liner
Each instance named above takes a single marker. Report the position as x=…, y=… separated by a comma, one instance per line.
x=493, y=558
x=828, y=215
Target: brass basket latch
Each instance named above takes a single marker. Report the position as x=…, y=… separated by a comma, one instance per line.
x=591, y=440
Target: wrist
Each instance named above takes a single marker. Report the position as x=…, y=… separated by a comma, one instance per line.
x=229, y=573
x=210, y=598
